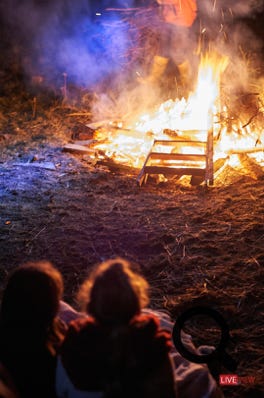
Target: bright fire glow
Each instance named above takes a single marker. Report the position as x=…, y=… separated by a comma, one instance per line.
x=190, y=119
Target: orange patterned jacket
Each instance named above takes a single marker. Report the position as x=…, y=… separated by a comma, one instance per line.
x=178, y=12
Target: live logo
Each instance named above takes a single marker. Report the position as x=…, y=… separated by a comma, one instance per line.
x=228, y=380
x=234, y=380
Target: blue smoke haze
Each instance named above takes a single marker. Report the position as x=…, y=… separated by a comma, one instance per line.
x=65, y=36
x=89, y=44
x=87, y=50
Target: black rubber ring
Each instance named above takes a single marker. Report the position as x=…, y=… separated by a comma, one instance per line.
x=220, y=348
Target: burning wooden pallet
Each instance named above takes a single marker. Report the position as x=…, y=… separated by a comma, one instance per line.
x=169, y=157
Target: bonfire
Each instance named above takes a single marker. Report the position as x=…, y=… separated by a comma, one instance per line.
x=196, y=136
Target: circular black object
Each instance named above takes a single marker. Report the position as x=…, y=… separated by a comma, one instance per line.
x=219, y=352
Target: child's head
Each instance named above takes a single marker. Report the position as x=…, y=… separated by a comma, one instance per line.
x=114, y=293
x=32, y=295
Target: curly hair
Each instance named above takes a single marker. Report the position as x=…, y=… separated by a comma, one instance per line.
x=114, y=293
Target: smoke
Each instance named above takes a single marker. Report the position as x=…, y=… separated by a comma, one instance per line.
x=222, y=26
x=242, y=8
x=231, y=28
x=77, y=38
x=86, y=50
x=236, y=8
x=89, y=44
x=219, y=16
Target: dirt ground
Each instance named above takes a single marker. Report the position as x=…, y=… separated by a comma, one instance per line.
x=195, y=245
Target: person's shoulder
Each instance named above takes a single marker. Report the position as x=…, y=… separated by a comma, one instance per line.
x=146, y=318
x=82, y=331
x=146, y=330
x=85, y=323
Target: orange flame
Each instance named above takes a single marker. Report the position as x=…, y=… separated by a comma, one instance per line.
x=192, y=117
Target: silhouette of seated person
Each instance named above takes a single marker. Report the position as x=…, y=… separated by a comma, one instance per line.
x=116, y=350
x=30, y=332
x=120, y=347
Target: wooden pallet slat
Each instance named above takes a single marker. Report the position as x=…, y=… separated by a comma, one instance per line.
x=178, y=163
x=177, y=156
x=174, y=170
